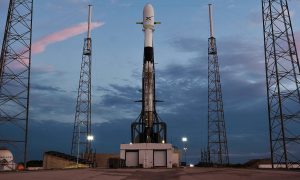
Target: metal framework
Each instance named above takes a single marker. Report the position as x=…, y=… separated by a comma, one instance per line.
x=81, y=145
x=204, y=157
x=139, y=130
x=282, y=80
x=217, y=140
x=15, y=62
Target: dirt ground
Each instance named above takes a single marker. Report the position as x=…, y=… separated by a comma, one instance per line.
x=155, y=174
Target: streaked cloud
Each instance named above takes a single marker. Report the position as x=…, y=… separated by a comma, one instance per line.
x=62, y=35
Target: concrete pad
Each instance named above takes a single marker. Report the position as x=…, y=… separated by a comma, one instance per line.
x=154, y=174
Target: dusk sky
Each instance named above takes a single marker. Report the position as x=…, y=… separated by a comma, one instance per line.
x=180, y=42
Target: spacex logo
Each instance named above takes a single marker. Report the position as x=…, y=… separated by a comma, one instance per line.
x=149, y=18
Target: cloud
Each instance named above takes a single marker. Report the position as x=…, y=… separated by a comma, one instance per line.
x=120, y=3
x=52, y=103
x=64, y=34
x=114, y=1
x=39, y=87
x=42, y=68
x=188, y=44
x=108, y=136
x=79, y=1
x=117, y=101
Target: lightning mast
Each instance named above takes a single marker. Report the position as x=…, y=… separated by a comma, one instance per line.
x=282, y=80
x=15, y=63
x=217, y=140
x=81, y=145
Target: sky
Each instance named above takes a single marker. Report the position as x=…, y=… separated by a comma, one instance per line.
x=180, y=42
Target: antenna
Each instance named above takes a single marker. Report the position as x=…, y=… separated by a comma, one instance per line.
x=81, y=145
x=217, y=139
x=211, y=20
x=89, y=21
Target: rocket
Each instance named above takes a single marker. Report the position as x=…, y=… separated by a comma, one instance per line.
x=148, y=127
x=148, y=84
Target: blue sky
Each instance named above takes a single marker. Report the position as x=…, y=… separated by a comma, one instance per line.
x=181, y=54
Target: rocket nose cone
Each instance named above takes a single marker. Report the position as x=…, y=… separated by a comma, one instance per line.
x=148, y=10
x=148, y=5
x=148, y=19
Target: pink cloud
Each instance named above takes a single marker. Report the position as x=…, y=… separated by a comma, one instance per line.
x=64, y=34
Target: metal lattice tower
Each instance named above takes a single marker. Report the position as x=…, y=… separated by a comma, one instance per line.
x=204, y=157
x=282, y=74
x=217, y=140
x=15, y=78
x=81, y=146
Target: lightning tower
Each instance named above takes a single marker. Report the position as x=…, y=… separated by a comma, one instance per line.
x=217, y=140
x=282, y=80
x=81, y=145
x=148, y=128
x=15, y=62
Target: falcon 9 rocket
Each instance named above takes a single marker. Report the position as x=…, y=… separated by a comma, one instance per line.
x=148, y=128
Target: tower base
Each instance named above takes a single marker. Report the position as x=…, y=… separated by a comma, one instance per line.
x=149, y=155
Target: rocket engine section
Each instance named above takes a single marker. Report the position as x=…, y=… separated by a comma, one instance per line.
x=148, y=128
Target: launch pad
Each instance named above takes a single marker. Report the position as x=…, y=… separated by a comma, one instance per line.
x=148, y=147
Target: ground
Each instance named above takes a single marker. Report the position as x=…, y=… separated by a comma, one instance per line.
x=155, y=174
